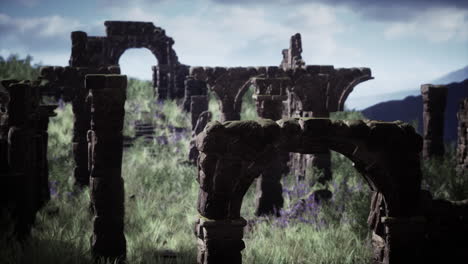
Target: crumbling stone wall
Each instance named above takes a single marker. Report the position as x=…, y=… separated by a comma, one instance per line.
x=434, y=102
x=229, y=86
x=234, y=153
x=97, y=51
x=269, y=96
x=105, y=147
x=292, y=57
x=68, y=83
x=316, y=91
x=462, y=149
x=23, y=152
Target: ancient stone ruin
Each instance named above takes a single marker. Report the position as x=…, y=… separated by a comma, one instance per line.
x=23, y=153
x=316, y=91
x=68, y=83
x=269, y=96
x=408, y=226
x=462, y=150
x=96, y=51
x=434, y=101
x=105, y=147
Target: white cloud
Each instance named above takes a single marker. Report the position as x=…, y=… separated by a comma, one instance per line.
x=216, y=34
x=47, y=26
x=436, y=25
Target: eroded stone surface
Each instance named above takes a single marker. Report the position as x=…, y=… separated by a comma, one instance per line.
x=23, y=152
x=97, y=51
x=107, y=99
x=462, y=146
x=434, y=102
x=234, y=153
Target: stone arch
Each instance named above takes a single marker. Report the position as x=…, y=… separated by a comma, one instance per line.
x=103, y=51
x=229, y=84
x=141, y=56
x=360, y=75
x=234, y=153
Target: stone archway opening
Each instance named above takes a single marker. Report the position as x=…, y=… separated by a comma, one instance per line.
x=140, y=106
x=137, y=63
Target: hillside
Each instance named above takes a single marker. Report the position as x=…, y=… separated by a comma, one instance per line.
x=410, y=110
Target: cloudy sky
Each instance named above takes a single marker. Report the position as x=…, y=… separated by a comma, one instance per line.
x=404, y=42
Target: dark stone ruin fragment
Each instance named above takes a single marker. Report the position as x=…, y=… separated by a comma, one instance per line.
x=316, y=91
x=23, y=153
x=408, y=225
x=269, y=96
x=68, y=83
x=107, y=98
x=462, y=149
x=434, y=102
x=96, y=51
x=234, y=153
x=203, y=119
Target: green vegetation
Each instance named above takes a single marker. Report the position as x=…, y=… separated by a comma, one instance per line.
x=161, y=194
x=15, y=68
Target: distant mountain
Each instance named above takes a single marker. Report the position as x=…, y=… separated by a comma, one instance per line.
x=455, y=76
x=410, y=109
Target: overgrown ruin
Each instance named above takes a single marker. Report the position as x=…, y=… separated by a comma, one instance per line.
x=23, y=153
x=294, y=101
x=407, y=225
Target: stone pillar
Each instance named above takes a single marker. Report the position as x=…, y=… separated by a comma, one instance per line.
x=434, y=100
x=181, y=73
x=79, y=54
x=162, y=81
x=203, y=119
x=198, y=105
x=81, y=123
x=462, y=149
x=405, y=239
x=308, y=98
x=107, y=98
x=220, y=241
x=219, y=231
x=269, y=95
x=193, y=87
x=22, y=192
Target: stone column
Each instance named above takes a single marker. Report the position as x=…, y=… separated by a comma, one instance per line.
x=220, y=241
x=162, y=81
x=219, y=232
x=308, y=98
x=107, y=99
x=462, y=149
x=203, y=119
x=434, y=100
x=21, y=156
x=193, y=87
x=404, y=239
x=198, y=105
x=269, y=95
